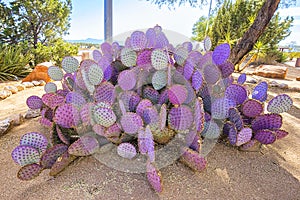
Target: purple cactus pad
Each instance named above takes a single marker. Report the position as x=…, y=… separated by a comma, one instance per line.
x=34, y=102
x=180, y=118
x=161, y=41
x=280, y=134
x=84, y=146
x=232, y=135
x=29, y=172
x=61, y=163
x=188, y=70
x=211, y=73
x=193, y=160
x=104, y=116
x=144, y=59
x=227, y=69
x=242, y=78
x=207, y=43
x=24, y=155
x=105, y=92
x=36, y=140
x=67, y=116
x=130, y=100
x=145, y=141
x=50, y=156
x=220, y=108
x=177, y=94
x=143, y=104
x=221, y=53
x=267, y=121
x=106, y=48
x=138, y=40
x=260, y=91
x=97, y=55
x=154, y=177
x=197, y=80
x=211, y=130
x=252, y=108
x=159, y=79
x=126, y=150
x=279, y=104
x=151, y=117
x=70, y=64
x=163, y=116
x=127, y=80
x=236, y=118
x=128, y=57
x=237, y=93
x=131, y=123
x=199, y=115
x=265, y=136
x=75, y=99
x=64, y=138
x=151, y=94
x=244, y=136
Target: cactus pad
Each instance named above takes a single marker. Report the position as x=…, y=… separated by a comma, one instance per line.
x=144, y=59
x=154, y=177
x=244, y=136
x=237, y=93
x=211, y=73
x=55, y=73
x=95, y=74
x=61, y=163
x=180, y=55
x=128, y=57
x=24, y=155
x=130, y=100
x=180, y=118
x=70, y=64
x=280, y=134
x=36, y=140
x=232, y=135
x=236, y=118
x=127, y=80
x=163, y=117
x=138, y=40
x=34, y=102
x=197, y=80
x=252, y=108
x=260, y=91
x=177, y=94
x=29, y=172
x=207, y=43
x=104, y=116
x=220, y=108
x=76, y=99
x=241, y=79
x=67, y=116
x=50, y=87
x=193, y=160
x=265, y=136
x=211, y=130
x=159, y=79
x=131, y=123
x=199, y=115
x=159, y=59
x=97, y=55
x=126, y=150
x=279, y=104
x=250, y=146
x=188, y=70
x=226, y=68
x=105, y=92
x=145, y=141
x=50, y=156
x=84, y=146
x=163, y=136
x=151, y=117
x=221, y=53
x=151, y=94
x=267, y=121
x=62, y=136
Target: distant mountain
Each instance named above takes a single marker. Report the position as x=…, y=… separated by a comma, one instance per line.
x=88, y=40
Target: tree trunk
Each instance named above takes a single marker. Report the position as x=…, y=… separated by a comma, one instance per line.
x=246, y=43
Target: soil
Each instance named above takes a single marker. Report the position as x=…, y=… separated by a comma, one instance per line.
x=272, y=173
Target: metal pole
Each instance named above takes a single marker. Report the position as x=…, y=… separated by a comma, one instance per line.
x=108, y=18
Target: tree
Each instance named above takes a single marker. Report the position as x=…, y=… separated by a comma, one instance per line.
x=250, y=37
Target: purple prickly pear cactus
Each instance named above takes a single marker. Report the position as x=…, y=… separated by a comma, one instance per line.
x=84, y=146
x=279, y=104
x=29, y=172
x=154, y=177
x=267, y=121
x=252, y=108
x=50, y=156
x=193, y=160
x=265, y=136
x=34, y=102
x=24, y=155
x=126, y=150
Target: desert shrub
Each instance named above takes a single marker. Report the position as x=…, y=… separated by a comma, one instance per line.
x=13, y=63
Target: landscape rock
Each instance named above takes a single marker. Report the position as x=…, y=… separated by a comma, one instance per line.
x=283, y=86
x=28, y=84
x=5, y=126
x=273, y=84
x=11, y=88
x=298, y=78
x=32, y=113
x=17, y=119
x=251, y=80
x=20, y=87
x=42, y=83
x=38, y=73
x=36, y=83
x=271, y=71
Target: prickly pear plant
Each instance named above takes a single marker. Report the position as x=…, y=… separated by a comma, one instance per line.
x=142, y=106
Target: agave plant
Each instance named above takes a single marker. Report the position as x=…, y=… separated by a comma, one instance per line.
x=144, y=98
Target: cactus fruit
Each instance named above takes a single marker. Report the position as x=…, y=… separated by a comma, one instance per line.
x=279, y=104
x=126, y=150
x=84, y=146
x=29, y=172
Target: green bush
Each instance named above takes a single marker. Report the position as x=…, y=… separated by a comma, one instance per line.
x=13, y=63
x=292, y=55
x=54, y=52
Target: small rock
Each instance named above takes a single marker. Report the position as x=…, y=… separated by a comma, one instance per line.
x=273, y=84
x=28, y=84
x=17, y=119
x=11, y=88
x=32, y=113
x=20, y=87
x=283, y=86
x=252, y=80
x=5, y=125
x=295, y=89
x=42, y=83
x=298, y=78
x=4, y=94
x=36, y=83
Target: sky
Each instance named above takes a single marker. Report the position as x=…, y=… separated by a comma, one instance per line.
x=87, y=18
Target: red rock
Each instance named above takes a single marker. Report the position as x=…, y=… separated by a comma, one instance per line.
x=271, y=71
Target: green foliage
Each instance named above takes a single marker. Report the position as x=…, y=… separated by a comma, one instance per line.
x=13, y=63
x=292, y=55
x=55, y=52
x=199, y=28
